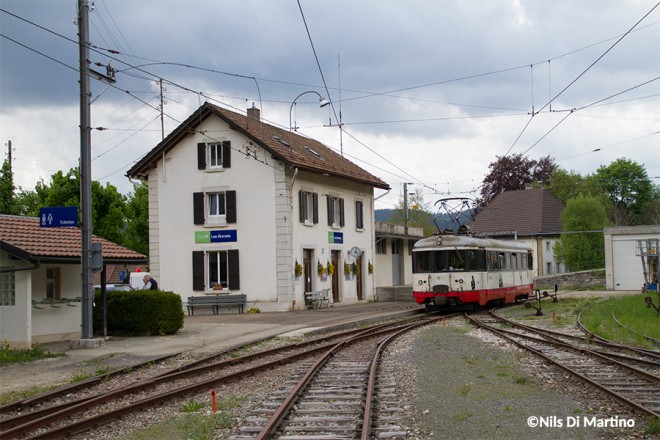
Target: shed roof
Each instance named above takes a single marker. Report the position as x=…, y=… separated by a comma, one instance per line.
x=525, y=212
x=289, y=147
x=24, y=238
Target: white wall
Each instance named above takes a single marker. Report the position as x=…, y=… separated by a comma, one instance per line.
x=316, y=237
x=175, y=240
x=23, y=325
x=59, y=323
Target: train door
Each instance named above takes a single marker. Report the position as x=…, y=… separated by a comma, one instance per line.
x=307, y=269
x=335, y=276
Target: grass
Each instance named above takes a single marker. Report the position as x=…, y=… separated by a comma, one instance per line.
x=631, y=311
x=197, y=422
x=9, y=355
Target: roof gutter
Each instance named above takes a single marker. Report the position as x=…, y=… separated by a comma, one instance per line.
x=34, y=266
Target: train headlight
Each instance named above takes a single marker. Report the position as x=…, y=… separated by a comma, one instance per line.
x=438, y=242
x=460, y=280
x=420, y=282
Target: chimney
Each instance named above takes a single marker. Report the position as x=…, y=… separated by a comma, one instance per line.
x=254, y=113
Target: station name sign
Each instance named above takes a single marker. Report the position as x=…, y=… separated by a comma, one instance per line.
x=58, y=216
x=227, y=236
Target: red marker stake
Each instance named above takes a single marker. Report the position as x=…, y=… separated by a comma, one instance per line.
x=215, y=408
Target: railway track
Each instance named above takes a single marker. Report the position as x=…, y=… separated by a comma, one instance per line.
x=54, y=415
x=345, y=394
x=620, y=376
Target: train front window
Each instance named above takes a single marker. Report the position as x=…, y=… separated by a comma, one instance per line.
x=440, y=261
x=456, y=260
x=421, y=262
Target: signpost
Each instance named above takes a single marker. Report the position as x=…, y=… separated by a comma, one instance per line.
x=58, y=216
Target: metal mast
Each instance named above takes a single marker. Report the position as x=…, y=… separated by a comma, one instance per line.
x=85, y=172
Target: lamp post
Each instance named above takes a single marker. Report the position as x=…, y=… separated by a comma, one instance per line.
x=322, y=103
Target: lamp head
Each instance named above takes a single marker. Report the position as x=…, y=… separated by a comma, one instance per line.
x=323, y=102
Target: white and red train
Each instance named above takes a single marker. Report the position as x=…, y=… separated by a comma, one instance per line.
x=455, y=271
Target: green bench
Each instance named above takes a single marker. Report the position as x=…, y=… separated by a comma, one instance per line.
x=216, y=301
x=55, y=302
x=317, y=299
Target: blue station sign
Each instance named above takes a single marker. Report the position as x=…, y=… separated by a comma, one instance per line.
x=58, y=216
x=335, y=237
x=226, y=236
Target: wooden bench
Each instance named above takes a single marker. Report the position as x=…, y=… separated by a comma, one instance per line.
x=216, y=301
x=317, y=299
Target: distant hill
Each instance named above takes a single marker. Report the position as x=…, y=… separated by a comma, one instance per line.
x=443, y=220
x=382, y=215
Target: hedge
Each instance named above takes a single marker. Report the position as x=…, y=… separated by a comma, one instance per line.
x=140, y=312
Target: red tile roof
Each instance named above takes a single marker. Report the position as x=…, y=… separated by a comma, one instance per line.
x=527, y=212
x=290, y=148
x=24, y=238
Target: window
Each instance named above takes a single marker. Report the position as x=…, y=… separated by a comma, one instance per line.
x=213, y=268
x=421, y=262
x=7, y=289
x=212, y=207
x=359, y=215
x=381, y=246
x=547, y=246
x=335, y=211
x=53, y=283
x=548, y=269
x=216, y=204
x=308, y=203
x=214, y=155
x=396, y=246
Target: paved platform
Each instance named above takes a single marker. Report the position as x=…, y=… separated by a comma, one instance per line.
x=213, y=332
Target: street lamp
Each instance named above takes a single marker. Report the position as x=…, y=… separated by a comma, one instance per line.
x=322, y=103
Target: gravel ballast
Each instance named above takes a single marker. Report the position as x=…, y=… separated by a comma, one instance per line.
x=463, y=383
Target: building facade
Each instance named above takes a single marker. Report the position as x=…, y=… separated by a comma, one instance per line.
x=237, y=205
x=40, y=282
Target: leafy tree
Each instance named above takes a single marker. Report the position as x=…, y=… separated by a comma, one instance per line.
x=565, y=185
x=513, y=173
x=108, y=205
x=7, y=198
x=577, y=248
x=629, y=188
x=136, y=235
x=419, y=213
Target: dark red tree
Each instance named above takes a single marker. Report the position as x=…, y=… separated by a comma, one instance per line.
x=513, y=173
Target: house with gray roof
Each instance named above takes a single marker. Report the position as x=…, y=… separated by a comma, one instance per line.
x=237, y=205
x=531, y=216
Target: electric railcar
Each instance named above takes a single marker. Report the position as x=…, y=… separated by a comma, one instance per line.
x=453, y=271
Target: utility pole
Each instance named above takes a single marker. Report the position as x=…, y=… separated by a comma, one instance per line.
x=85, y=172
x=405, y=208
x=162, y=111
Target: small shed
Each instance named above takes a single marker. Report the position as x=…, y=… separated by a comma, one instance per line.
x=40, y=281
x=623, y=265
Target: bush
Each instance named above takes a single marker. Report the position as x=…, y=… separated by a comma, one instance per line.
x=140, y=313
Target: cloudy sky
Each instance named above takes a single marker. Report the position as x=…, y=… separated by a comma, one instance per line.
x=429, y=92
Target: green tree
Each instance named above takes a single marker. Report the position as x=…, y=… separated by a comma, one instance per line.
x=7, y=198
x=629, y=188
x=577, y=248
x=565, y=185
x=137, y=219
x=419, y=213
